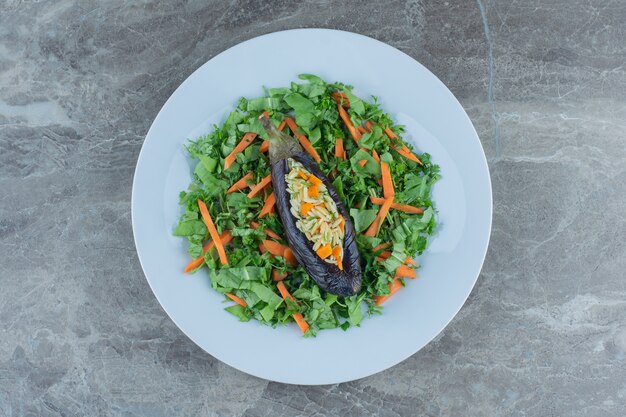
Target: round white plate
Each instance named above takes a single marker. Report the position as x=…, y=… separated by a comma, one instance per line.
x=435, y=122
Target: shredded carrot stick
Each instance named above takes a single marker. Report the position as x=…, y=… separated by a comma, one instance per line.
x=305, y=208
x=390, y=133
x=268, y=206
x=375, y=156
x=394, y=286
x=241, y=184
x=404, y=271
x=275, y=248
x=257, y=188
x=342, y=224
x=356, y=135
x=381, y=246
x=243, y=144
x=397, y=206
x=380, y=217
x=303, y=175
x=225, y=238
x=362, y=162
x=384, y=255
x=406, y=152
x=292, y=124
x=208, y=221
x=309, y=148
x=341, y=98
x=236, y=299
x=278, y=276
x=369, y=125
x=265, y=146
x=339, y=151
x=304, y=141
x=409, y=261
x=282, y=124
x=313, y=191
x=337, y=255
x=268, y=232
x=388, y=190
x=290, y=257
x=296, y=316
x=324, y=251
x=361, y=129
x=266, y=114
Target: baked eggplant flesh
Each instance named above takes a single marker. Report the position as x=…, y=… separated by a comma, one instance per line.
x=316, y=223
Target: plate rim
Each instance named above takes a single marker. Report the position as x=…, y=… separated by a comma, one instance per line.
x=483, y=163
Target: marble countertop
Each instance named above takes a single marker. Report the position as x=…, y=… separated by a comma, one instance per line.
x=542, y=334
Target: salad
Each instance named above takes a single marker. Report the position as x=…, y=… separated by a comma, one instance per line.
x=307, y=206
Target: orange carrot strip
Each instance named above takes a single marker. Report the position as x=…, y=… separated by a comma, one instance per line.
x=381, y=246
x=356, y=135
x=243, y=144
x=309, y=148
x=375, y=156
x=384, y=255
x=406, y=152
x=304, y=326
x=208, y=221
x=241, y=184
x=390, y=133
x=268, y=206
x=303, y=175
x=278, y=249
x=275, y=248
x=225, y=237
x=404, y=271
x=236, y=299
x=257, y=188
x=282, y=124
x=397, y=206
x=324, y=251
x=342, y=224
x=313, y=191
x=394, y=286
x=369, y=125
x=268, y=232
x=362, y=162
x=341, y=98
x=339, y=151
x=304, y=141
x=361, y=129
x=265, y=146
x=382, y=213
x=290, y=257
x=388, y=190
x=292, y=124
x=278, y=276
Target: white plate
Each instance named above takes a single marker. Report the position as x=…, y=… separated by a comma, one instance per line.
x=436, y=123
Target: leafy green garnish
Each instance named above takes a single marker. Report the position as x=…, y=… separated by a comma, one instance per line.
x=248, y=274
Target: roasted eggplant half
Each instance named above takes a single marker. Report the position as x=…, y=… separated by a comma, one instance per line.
x=316, y=223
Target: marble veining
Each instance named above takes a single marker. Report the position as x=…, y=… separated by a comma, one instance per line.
x=542, y=334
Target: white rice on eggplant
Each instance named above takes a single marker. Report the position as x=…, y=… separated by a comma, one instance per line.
x=322, y=224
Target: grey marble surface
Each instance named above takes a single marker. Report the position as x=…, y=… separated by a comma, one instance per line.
x=544, y=331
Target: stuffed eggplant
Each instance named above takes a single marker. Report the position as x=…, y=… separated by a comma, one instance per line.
x=316, y=223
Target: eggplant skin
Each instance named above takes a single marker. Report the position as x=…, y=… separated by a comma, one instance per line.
x=329, y=277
